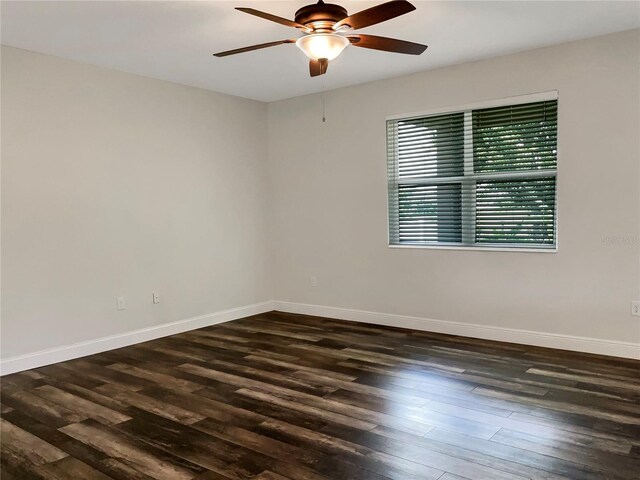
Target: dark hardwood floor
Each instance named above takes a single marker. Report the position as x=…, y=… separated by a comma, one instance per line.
x=281, y=396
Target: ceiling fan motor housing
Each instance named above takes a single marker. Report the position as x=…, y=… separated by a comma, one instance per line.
x=321, y=15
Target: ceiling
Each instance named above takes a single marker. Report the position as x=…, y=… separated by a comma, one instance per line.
x=175, y=40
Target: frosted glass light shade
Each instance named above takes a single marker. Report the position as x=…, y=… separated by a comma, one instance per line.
x=322, y=45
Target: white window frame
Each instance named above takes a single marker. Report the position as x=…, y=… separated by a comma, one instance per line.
x=468, y=194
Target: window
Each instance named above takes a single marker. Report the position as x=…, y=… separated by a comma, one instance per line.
x=475, y=178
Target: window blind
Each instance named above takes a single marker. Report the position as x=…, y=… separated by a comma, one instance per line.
x=483, y=177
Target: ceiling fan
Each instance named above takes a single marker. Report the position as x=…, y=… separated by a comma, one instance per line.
x=326, y=28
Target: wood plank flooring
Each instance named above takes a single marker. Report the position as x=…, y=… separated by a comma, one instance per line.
x=281, y=396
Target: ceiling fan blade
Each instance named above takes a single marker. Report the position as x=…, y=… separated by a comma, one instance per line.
x=318, y=67
x=252, y=47
x=386, y=44
x=377, y=14
x=273, y=18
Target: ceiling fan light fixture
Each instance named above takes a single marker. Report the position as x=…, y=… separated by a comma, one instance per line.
x=322, y=45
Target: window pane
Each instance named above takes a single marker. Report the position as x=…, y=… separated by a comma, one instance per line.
x=515, y=138
x=431, y=146
x=516, y=211
x=430, y=213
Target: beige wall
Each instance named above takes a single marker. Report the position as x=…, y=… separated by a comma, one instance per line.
x=329, y=187
x=114, y=184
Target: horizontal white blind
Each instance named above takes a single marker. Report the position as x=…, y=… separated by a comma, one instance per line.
x=517, y=137
x=432, y=146
x=429, y=213
x=483, y=177
x=519, y=211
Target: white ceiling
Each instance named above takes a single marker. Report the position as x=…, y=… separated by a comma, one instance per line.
x=174, y=40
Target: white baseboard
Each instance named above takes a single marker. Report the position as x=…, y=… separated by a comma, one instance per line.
x=526, y=337
x=82, y=349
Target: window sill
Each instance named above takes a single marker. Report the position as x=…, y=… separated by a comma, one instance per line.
x=481, y=249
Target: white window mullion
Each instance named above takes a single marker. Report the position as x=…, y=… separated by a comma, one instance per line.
x=468, y=185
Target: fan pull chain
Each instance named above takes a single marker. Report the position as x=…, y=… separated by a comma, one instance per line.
x=323, y=116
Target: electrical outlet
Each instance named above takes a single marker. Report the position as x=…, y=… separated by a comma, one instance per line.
x=156, y=297
x=635, y=308
x=313, y=281
x=121, y=304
